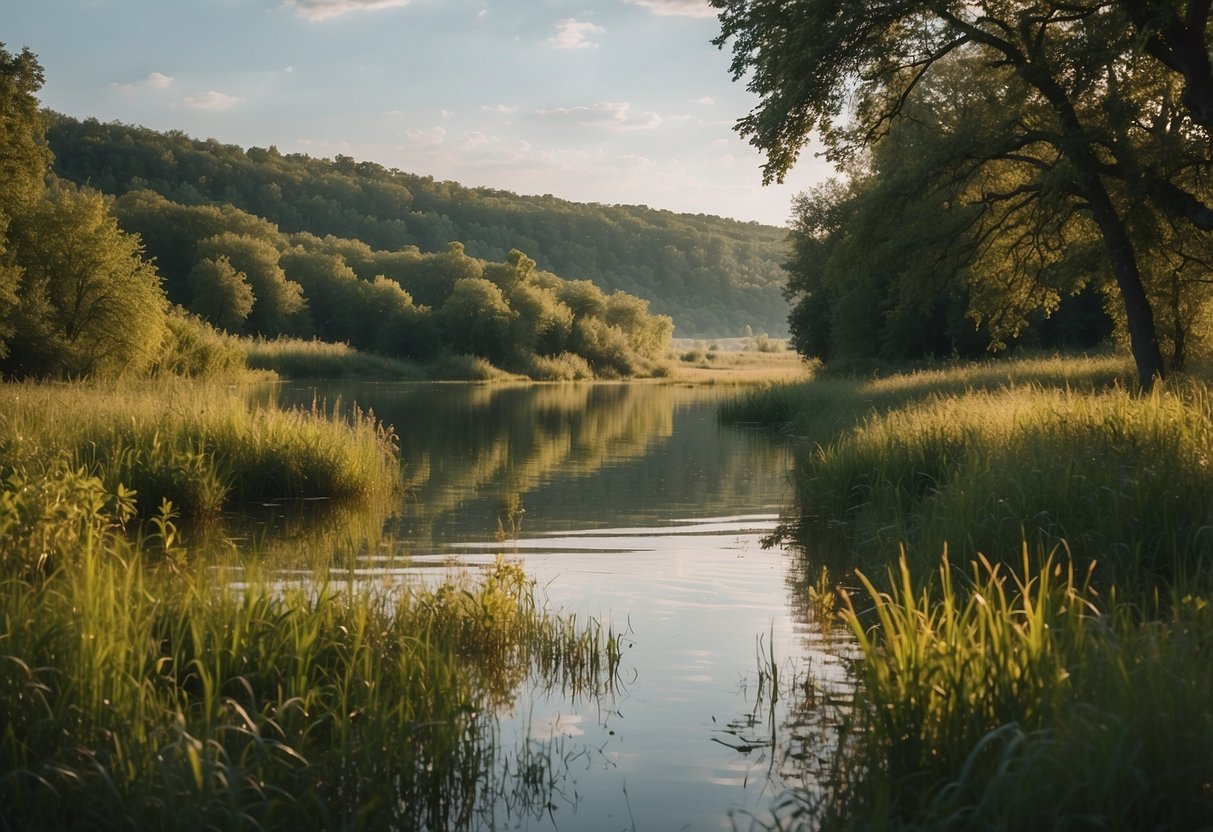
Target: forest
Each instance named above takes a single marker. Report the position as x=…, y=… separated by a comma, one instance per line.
x=713, y=276
x=99, y=286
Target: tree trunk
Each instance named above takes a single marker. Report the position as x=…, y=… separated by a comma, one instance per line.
x=1143, y=340
x=1179, y=354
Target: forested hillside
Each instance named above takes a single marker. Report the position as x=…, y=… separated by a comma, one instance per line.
x=93, y=285
x=713, y=276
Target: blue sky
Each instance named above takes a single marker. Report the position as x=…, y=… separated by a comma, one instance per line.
x=612, y=101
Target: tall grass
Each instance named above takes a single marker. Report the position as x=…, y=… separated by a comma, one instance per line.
x=298, y=358
x=1023, y=699
x=151, y=697
x=1058, y=681
x=203, y=447
x=1121, y=479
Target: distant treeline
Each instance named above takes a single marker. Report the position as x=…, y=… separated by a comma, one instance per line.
x=713, y=276
x=91, y=285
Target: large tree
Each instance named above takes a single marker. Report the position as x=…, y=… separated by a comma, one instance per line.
x=89, y=304
x=1074, y=87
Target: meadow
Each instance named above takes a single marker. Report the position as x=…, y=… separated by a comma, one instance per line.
x=1023, y=551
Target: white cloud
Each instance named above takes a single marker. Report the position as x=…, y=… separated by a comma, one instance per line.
x=433, y=137
x=617, y=115
x=677, y=8
x=503, y=109
x=155, y=80
x=446, y=115
x=574, y=34
x=327, y=9
x=212, y=100
x=706, y=100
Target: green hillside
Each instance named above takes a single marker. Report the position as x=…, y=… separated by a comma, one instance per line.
x=713, y=276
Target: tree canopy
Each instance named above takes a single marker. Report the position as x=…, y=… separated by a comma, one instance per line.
x=713, y=276
x=92, y=285
x=1050, y=126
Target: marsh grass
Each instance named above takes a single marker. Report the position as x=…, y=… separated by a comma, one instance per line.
x=151, y=696
x=1051, y=671
x=1023, y=699
x=202, y=447
x=297, y=358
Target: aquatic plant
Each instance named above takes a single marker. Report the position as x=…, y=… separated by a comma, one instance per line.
x=138, y=693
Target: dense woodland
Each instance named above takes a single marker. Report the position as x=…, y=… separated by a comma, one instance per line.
x=713, y=276
x=96, y=286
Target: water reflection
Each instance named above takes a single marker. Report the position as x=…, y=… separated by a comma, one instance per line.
x=630, y=505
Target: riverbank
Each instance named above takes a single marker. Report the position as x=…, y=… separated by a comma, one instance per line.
x=1048, y=671
x=143, y=685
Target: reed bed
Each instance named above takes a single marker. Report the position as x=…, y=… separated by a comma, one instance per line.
x=1022, y=699
x=298, y=358
x=202, y=447
x=139, y=695
x=1051, y=671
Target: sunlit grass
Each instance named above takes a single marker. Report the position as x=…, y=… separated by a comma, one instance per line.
x=1051, y=672
x=204, y=447
x=298, y=358
x=1023, y=699
x=144, y=695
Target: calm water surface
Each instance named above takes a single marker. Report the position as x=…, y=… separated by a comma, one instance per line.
x=628, y=504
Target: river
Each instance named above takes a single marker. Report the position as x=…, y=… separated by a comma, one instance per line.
x=629, y=504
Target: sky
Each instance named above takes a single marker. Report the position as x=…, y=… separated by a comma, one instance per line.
x=608, y=101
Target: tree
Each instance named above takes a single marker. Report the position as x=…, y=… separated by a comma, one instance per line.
x=221, y=294
x=1067, y=78
x=89, y=303
x=24, y=156
x=279, y=308
x=476, y=318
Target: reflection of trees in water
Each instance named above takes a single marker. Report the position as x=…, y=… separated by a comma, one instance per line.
x=479, y=454
x=501, y=443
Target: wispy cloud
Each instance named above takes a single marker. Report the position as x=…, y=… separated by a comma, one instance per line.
x=504, y=109
x=616, y=115
x=434, y=137
x=575, y=34
x=328, y=9
x=155, y=81
x=212, y=100
x=677, y=8
x=706, y=100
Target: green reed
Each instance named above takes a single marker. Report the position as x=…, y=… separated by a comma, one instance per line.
x=145, y=695
x=201, y=446
x=1023, y=699
x=1060, y=680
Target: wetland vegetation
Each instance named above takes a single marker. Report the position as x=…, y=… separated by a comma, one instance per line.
x=1023, y=553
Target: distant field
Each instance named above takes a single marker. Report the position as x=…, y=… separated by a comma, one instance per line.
x=735, y=360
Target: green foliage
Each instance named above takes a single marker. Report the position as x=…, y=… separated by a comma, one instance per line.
x=712, y=275
x=140, y=693
x=1075, y=138
x=475, y=319
x=398, y=304
x=221, y=294
x=278, y=304
x=89, y=304
x=24, y=158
